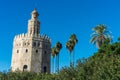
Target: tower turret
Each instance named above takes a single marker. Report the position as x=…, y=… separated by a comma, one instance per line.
x=34, y=14
x=34, y=24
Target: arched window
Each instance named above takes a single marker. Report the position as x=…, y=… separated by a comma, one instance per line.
x=45, y=69
x=24, y=67
x=17, y=51
x=26, y=50
x=36, y=51
x=38, y=44
x=45, y=52
x=25, y=44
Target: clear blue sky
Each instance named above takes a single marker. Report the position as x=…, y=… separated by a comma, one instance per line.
x=59, y=19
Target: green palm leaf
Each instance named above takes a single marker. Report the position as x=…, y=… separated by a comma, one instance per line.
x=100, y=35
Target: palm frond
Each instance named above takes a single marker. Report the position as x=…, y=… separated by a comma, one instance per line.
x=93, y=39
x=100, y=35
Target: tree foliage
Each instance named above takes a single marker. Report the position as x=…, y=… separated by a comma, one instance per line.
x=55, y=53
x=100, y=35
x=70, y=45
x=103, y=65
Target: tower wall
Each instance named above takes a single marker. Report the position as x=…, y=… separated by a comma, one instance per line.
x=31, y=51
x=41, y=56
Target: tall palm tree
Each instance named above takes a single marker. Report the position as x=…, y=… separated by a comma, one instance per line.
x=74, y=40
x=100, y=35
x=53, y=51
x=70, y=46
x=58, y=48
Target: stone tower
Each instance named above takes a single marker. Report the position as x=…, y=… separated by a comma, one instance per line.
x=31, y=51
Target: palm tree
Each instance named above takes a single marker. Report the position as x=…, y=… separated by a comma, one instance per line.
x=53, y=51
x=70, y=46
x=58, y=48
x=74, y=40
x=100, y=35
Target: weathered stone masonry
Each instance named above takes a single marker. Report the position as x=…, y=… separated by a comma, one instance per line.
x=31, y=51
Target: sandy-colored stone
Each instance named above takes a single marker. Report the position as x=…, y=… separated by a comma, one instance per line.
x=31, y=49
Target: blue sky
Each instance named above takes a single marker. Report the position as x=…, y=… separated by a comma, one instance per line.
x=59, y=19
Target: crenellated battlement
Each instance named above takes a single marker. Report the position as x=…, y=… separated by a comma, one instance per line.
x=45, y=37
x=21, y=36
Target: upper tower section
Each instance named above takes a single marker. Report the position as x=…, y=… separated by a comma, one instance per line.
x=34, y=24
x=34, y=14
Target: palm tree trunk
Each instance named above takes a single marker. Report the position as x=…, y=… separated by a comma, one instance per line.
x=53, y=64
x=73, y=58
x=70, y=58
x=58, y=62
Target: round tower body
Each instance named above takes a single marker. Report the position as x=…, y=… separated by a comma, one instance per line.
x=31, y=51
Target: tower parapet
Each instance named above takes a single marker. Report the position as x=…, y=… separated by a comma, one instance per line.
x=22, y=36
